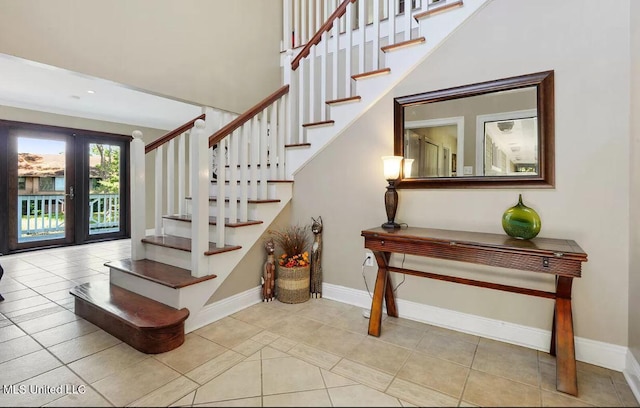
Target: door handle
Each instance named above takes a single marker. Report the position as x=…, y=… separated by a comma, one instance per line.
x=71, y=194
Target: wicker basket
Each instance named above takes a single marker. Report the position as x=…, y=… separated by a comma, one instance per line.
x=293, y=284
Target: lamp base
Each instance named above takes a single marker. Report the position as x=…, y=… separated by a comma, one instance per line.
x=390, y=225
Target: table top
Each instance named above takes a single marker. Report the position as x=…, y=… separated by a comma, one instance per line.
x=537, y=245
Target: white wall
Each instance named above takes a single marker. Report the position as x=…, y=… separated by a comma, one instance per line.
x=218, y=53
x=590, y=204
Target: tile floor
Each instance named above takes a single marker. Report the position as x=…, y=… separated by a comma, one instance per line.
x=315, y=353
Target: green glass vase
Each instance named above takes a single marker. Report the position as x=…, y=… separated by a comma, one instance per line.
x=521, y=221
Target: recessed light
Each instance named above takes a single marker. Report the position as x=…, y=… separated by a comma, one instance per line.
x=91, y=92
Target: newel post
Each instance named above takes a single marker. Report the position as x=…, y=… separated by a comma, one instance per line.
x=138, y=196
x=199, y=144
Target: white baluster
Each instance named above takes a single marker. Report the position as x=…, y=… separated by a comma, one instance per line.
x=392, y=21
x=349, y=46
x=362, y=28
x=233, y=176
x=254, y=153
x=170, y=179
x=244, y=172
x=312, y=81
x=296, y=23
x=334, y=60
x=302, y=78
x=375, y=49
x=318, y=16
x=283, y=127
x=220, y=194
x=324, y=61
x=263, y=170
x=159, y=186
x=407, y=19
x=274, y=140
x=199, y=144
x=303, y=23
x=287, y=17
x=182, y=174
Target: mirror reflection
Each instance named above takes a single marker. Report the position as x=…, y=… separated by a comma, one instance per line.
x=498, y=133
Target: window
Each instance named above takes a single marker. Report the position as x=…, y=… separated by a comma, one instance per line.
x=22, y=183
x=46, y=184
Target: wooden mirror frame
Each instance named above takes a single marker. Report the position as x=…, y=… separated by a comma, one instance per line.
x=544, y=84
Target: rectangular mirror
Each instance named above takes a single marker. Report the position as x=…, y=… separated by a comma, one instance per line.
x=492, y=134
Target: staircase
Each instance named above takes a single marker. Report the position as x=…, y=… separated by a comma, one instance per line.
x=221, y=179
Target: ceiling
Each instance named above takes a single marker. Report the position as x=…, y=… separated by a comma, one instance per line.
x=35, y=86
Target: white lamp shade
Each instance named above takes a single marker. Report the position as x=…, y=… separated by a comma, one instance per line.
x=392, y=166
x=407, y=167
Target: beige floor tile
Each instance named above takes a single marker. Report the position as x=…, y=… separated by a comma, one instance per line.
x=167, y=394
x=265, y=337
x=10, y=332
x=228, y=332
x=17, y=347
x=361, y=396
x=215, y=366
x=557, y=399
x=363, y=374
x=332, y=380
x=240, y=381
x=193, y=352
x=64, y=332
x=45, y=388
x=185, y=401
x=469, y=338
x=25, y=367
x=594, y=389
x=90, y=398
x=314, y=356
x=75, y=349
x=39, y=281
x=248, y=347
x=269, y=352
x=10, y=285
x=286, y=375
x=379, y=355
x=33, y=312
x=315, y=398
x=489, y=390
x=447, y=348
x=107, y=362
x=241, y=402
x=421, y=396
x=295, y=327
x=59, y=295
x=400, y=335
x=46, y=322
x=334, y=340
x=508, y=361
x=6, y=307
x=55, y=287
x=18, y=294
x=352, y=321
x=440, y=375
x=626, y=395
x=283, y=344
x=326, y=311
x=258, y=315
x=134, y=382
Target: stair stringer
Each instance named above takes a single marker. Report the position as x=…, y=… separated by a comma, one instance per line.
x=194, y=297
x=436, y=29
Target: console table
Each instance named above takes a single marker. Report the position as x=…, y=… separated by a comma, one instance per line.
x=560, y=257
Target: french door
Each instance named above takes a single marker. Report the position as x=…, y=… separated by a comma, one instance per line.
x=63, y=186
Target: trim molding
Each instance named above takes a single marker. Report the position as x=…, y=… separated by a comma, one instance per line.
x=632, y=374
x=602, y=354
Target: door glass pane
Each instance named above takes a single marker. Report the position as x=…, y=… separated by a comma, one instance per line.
x=41, y=199
x=104, y=188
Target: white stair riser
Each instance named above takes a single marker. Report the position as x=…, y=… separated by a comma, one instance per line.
x=160, y=293
x=233, y=236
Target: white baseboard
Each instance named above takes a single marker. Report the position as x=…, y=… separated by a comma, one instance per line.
x=598, y=353
x=602, y=354
x=225, y=307
x=632, y=374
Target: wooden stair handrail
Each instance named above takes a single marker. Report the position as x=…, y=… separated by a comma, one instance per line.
x=342, y=8
x=247, y=116
x=170, y=135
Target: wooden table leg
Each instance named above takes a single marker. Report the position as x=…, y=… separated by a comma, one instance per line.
x=566, y=374
x=379, y=293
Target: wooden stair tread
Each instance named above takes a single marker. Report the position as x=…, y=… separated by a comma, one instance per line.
x=403, y=44
x=344, y=100
x=321, y=123
x=263, y=201
x=371, y=73
x=213, y=220
x=437, y=10
x=129, y=307
x=298, y=145
x=258, y=181
x=146, y=325
x=184, y=244
x=158, y=272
